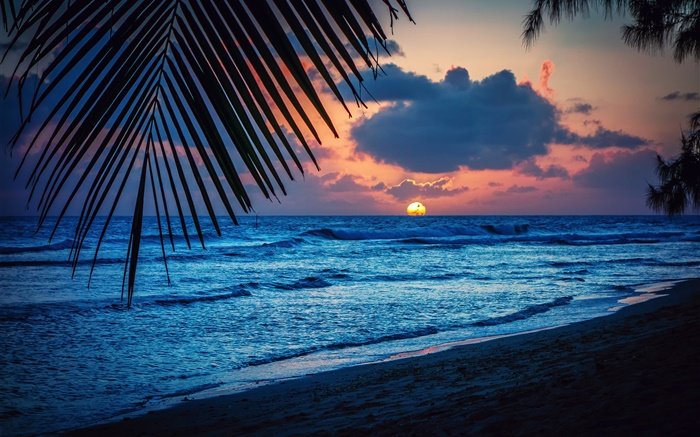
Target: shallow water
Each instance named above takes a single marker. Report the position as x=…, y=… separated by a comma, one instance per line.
x=296, y=295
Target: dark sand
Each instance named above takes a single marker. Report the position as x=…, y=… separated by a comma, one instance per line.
x=637, y=371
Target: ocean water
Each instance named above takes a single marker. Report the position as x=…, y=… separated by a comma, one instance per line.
x=294, y=295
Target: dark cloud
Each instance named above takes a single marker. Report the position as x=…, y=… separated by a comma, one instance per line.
x=580, y=108
x=601, y=139
x=12, y=50
x=495, y=184
x=622, y=171
x=346, y=183
x=394, y=48
x=530, y=168
x=489, y=124
x=398, y=85
x=458, y=77
x=677, y=95
x=521, y=189
x=437, y=127
x=410, y=189
x=9, y=113
x=313, y=196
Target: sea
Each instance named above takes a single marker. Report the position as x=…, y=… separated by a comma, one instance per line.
x=281, y=297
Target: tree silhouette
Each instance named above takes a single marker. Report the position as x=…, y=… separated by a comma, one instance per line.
x=164, y=95
x=679, y=186
x=657, y=23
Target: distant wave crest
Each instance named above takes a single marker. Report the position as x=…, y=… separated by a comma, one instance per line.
x=292, y=242
x=417, y=234
x=11, y=250
x=308, y=282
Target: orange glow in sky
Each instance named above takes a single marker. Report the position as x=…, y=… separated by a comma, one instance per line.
x=599, y=105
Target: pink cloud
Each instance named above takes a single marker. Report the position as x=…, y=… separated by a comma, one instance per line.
x=546, y=72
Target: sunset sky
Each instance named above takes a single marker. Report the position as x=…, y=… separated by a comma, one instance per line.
x=468, y=121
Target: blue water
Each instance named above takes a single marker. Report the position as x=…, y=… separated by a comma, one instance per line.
x=295, y=295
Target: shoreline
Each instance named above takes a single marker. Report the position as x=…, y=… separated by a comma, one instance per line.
x=408, y=392
x=302, y=366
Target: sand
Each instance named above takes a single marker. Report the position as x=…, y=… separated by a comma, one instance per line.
x=636, y=371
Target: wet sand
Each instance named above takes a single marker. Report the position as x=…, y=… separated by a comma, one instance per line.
x=635, y=371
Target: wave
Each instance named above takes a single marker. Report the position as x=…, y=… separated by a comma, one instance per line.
x=488, y=234
x=335, y=274
x=11, y=250
x=57, y=263
x=506, y=229
x=635, y=261
x=625, y=288
x=292, y=242
x=569, y=263
x=390, y=337
x=681, y=263
x=576, y=272
x=447, y=244
x=397, y=234
x=401, y=277
x=189, y=391
x=230, y=292
x=421, y=332
x=23, y=311
x=525, y=313
x=308, y=282
x=155, y=238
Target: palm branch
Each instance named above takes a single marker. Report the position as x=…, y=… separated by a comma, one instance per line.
x=133, y=79
x=656, y=23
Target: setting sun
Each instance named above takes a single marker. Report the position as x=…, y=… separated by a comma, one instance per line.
x=416, y=208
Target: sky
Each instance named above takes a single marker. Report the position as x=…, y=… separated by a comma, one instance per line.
x=467, y=121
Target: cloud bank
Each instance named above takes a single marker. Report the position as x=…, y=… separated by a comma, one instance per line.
x=495, y=123
x=677, y=95
x=409, y=189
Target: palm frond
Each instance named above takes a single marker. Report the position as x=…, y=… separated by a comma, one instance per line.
x=555, y=10
x=136, y=81
x=657, y=24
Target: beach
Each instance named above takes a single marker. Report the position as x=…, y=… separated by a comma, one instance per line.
x=634, y=371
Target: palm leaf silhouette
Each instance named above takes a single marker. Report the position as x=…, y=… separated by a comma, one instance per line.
x=656, y=23
x=679, y=179
x=135, y=80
